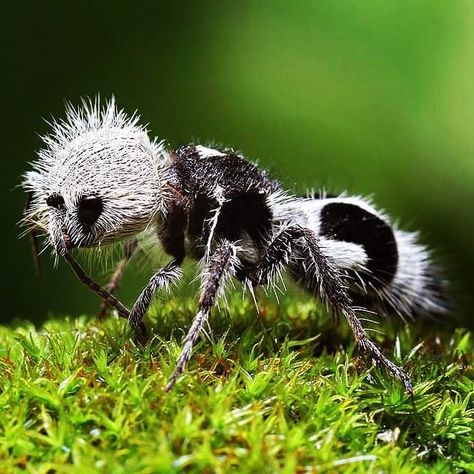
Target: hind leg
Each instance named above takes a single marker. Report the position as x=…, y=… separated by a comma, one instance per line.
x=293, y=243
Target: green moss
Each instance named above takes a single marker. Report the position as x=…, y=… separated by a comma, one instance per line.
x=283, y=392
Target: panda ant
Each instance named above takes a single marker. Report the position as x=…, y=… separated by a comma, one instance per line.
x=100, y=180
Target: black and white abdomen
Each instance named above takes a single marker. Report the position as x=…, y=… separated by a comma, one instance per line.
x=382, y=265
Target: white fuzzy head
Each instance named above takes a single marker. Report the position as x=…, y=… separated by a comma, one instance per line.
x=98, y=179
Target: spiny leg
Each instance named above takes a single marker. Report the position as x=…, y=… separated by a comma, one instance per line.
x=276, y=256
x=86, y=280
x=331, y=286
x=333, y=290
x=221, y=262
x=117, y=276
x=161, y=279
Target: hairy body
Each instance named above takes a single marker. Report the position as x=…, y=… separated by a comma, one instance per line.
x=100, y=180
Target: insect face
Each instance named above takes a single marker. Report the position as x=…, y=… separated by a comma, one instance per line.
x=99, y=179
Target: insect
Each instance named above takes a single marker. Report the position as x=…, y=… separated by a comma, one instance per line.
x=101, y=180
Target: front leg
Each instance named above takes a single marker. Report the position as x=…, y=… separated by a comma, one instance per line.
x=221, y=264
x=86, y=280
x=161, y=279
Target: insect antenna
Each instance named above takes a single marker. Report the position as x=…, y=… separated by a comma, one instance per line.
x=35, y=247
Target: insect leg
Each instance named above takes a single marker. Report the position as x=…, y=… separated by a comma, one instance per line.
x=334, y=292
x=86, y=280
x=328, y=284
x=220, y=264
x=161, y=279
x=117, y=276
x=276, y=256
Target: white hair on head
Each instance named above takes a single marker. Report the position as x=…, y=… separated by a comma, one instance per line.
x=96, y=157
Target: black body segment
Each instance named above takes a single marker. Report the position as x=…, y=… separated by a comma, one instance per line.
x=351, y=223
x=226, y=184
x=171, y=231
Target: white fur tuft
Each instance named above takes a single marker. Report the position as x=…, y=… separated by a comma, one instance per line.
x=97, y=150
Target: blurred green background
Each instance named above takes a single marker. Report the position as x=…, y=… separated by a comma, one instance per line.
x=372, y=97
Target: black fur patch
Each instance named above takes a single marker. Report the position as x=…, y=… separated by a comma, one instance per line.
x=351, y=223
x=244, y=189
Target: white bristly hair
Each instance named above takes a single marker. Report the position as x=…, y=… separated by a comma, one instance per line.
x=96, y=150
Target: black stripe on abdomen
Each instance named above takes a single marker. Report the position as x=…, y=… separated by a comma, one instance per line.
x=350, y=223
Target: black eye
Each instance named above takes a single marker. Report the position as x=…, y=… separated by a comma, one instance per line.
x=55, y=200
x=89, y=210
